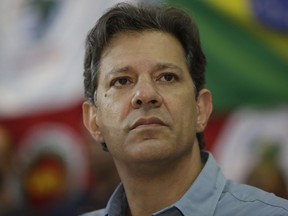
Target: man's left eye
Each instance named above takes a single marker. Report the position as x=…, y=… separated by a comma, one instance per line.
x=169, y=77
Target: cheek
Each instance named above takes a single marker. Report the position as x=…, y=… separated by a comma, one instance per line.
x=189, y=122
x=112, y=110
x=183, y=111
x=181, y=101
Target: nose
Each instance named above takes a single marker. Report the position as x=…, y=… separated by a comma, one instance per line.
x=146, y=95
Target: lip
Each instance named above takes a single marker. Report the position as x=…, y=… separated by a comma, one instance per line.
x=147, y=121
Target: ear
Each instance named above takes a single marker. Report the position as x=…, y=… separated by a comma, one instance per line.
x=89, y=112
x=204, y=109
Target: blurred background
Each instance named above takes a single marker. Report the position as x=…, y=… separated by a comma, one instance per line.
x=49, y=164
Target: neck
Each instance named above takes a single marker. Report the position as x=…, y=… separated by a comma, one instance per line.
x=150, y=188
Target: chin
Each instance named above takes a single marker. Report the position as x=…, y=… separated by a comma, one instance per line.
x=150, y=151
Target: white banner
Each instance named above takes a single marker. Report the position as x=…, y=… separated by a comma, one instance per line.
x=42, y=51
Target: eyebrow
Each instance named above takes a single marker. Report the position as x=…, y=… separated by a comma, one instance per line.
x=163, y=66
x=156, y=67
x=116, y=71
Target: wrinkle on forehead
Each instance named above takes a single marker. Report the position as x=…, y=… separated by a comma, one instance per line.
x=129, y=33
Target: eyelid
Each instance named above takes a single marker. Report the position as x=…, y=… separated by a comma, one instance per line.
x=175, y=75
x=116, y=79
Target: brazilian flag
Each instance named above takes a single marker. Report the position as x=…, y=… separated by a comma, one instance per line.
x=246, y=45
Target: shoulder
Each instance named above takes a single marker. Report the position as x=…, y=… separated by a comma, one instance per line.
x=246, y=199
x=100, y=212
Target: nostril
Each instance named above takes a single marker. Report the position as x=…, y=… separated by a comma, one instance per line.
x=150, y=100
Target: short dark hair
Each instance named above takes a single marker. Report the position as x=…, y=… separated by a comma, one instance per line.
x=128, y=17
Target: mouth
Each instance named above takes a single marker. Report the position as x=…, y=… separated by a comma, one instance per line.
x=148, y=122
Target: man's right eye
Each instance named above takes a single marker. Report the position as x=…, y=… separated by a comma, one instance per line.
x=120, y=82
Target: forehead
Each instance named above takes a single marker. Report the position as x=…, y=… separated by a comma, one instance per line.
x=146, y=36
x=143, y=48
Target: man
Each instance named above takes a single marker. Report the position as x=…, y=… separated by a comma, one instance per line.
x=147, y=105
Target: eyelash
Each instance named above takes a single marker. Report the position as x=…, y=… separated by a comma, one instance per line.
x=174, y=77
x=117, y=80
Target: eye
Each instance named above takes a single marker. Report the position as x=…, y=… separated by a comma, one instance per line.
x=168, y=77
x=120, y=82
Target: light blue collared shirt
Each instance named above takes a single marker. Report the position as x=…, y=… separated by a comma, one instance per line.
x=210, y=194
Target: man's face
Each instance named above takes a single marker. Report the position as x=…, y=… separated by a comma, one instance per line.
x=145, y=101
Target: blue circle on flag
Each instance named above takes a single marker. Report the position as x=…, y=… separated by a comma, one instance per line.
x=271, y=13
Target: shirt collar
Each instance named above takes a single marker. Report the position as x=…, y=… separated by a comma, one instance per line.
x=204, y=194
x=117, y=204
x=201, y=198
